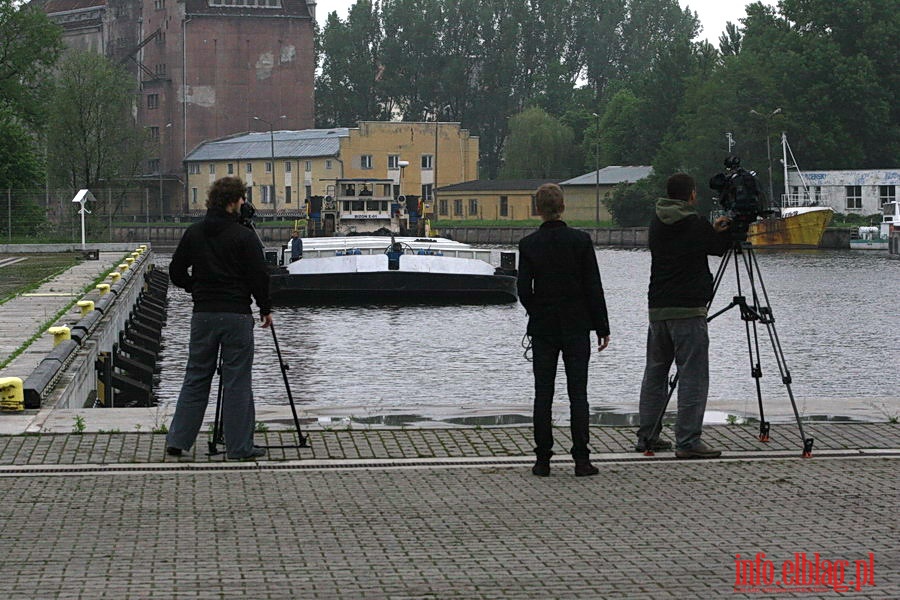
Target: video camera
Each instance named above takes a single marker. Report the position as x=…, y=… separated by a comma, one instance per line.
x=739, y=196
x=246, y=216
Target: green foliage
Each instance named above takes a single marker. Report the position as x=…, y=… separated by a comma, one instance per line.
x=20, y=165
x=79, y=425
x=632, y=205
x=92, y=135
x=539, y=147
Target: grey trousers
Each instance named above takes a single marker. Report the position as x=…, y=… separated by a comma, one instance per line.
x=232, y=334
x=686, y=342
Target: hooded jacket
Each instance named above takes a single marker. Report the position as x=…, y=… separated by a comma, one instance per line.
x=559, y=282
x=226, y=264
x=681, y=284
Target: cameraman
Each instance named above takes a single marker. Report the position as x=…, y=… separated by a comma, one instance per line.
x=226, y=267
x=681, y=287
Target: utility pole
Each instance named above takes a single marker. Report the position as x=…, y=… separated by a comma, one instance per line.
x=597, y=170
x=272, y=147
x=767, y=118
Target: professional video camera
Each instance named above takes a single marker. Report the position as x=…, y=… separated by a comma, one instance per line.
x=247, y=213
x=739, y=196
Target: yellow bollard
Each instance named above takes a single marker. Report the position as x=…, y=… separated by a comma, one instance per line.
x=139, y=250
x=143, y=247
x=12, y=396
x=103, y=287
x=86, y=306
x=115, y=276
x=129, y=261
x=135, y=255
x=60, y=334
x=122, y=267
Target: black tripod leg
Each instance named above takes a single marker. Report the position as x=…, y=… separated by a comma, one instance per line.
x=301, y=439
x=217, y=432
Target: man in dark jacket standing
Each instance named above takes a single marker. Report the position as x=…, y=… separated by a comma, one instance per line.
x=681, y=287
x=221, y=263
x=559, y=285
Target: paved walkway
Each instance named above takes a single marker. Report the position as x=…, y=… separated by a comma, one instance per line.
x=27, y=314
x=445, y=513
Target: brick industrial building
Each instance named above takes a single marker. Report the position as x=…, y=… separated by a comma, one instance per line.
x=204, y=69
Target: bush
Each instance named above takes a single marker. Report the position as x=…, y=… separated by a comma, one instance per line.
x=632, y=205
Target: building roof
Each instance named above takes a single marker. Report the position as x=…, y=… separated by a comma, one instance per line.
x=493, y=185
x=305, y=143
x=612, y=175
x=58, y=6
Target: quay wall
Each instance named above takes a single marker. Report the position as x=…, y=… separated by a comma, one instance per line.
x=77, y=386
x=625, y=237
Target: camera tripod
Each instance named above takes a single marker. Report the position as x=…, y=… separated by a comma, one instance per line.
x=218, y=429
x=758, y=310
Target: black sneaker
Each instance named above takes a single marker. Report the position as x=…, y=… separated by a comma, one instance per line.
x=701, y=450
x=256, y=453
x=585, y=469
x=172, y=451
x=541, y=468
x=656, y=445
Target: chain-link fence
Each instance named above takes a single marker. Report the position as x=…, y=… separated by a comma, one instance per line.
x=43, y=215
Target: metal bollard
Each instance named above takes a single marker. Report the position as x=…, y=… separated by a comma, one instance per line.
x=60, y=334
x=86, y=306
x=103, y=287
x=12, y=398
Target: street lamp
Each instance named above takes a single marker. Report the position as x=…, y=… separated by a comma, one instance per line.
x=766, y=118
x=272, y=145
x=597, y=169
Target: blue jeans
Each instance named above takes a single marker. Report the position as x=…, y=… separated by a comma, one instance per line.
x=232, y=335
x=686, y=342
x=576, y=353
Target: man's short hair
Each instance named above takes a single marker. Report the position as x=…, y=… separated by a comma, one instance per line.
x=548, y=200
x=680, y=186
x=224, y=191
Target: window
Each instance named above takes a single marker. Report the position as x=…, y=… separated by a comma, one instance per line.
x=427, y=162
x=153, y=133
x=426, y=191
x=231, y=168
x=886, y=193
x=854, y=197
x=473, y=206
x=268, y=167
x=159, y=4
x=160, y=70
x=212, y=168
x=267, y=193
x=193, y=169
x=153, y=165
x=152, y=101
x=328, y=164
x=393, y=162
x=160, y=39
x=287, y=193
x=309, y=191
x=504, y=206
x=365, y=161
x=308, y=166
x=442, y=208
x=247, y=3
x=287, y=167
x=193, y=195
x=457, y=208
x=249, y=167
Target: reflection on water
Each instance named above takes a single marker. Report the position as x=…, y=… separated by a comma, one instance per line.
x=399, y=365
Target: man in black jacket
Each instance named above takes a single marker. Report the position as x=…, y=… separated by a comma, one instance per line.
x=221, y=263
x=681, y=288
x=559, y=285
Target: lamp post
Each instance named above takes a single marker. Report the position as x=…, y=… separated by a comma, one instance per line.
x=767, y=118
x=272, y=147
x=597, y=169
x=162, y=215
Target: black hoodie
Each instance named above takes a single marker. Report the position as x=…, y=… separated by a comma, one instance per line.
x=227, y=265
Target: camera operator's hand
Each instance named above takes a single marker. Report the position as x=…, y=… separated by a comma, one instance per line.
x=602, y=342
x=721, y=224
x=266, y=320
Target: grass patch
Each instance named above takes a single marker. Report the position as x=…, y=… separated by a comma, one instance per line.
x=32, y=272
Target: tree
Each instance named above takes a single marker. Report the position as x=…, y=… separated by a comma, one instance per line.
x=29, y=46
x=632, y=204
x=20, y=162
x=92, y=135
x=539, y=147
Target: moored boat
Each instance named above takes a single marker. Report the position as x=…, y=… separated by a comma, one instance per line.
x=799, y=221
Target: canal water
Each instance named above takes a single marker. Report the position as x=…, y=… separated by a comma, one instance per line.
x=836, y=316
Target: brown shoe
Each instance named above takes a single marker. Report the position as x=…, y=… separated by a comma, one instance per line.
x=701, y=450
x=584, y=468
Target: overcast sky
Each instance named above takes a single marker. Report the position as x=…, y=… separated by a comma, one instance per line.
x=713, y=13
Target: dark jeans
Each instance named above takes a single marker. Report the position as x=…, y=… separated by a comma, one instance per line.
x=686, y=342
x=576, y=352
x=232, y=333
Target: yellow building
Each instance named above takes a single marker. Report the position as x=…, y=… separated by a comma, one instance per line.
x=585, y=194
x=489, y=200
x=284, y=168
